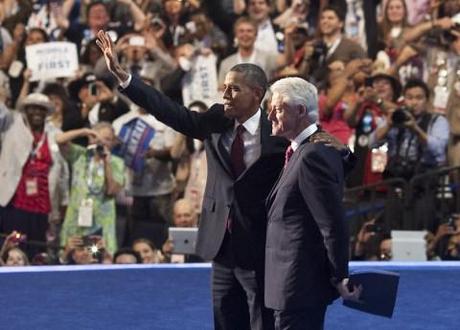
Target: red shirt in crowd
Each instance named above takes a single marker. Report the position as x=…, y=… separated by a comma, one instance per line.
x=32, y=194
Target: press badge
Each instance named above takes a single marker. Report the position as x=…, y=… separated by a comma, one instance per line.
x=441, y=97
x=85, y=213
x=31, y=187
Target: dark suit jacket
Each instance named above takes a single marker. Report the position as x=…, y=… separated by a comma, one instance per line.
x=307, y=237
x=244, y=196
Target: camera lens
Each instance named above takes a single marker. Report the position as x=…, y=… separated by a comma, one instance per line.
x=399, y=117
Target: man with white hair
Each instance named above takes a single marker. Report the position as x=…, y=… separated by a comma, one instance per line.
x=306, y=256
x=31, y=170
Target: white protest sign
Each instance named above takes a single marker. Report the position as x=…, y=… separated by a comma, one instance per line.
x=52, y=60
x=200, y=83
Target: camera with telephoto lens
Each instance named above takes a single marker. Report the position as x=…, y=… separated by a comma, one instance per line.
x=400, y=116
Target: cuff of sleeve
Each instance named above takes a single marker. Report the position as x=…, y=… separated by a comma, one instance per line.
x=126, y=83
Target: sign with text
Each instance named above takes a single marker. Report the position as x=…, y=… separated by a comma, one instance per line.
x=51, y=60
x=200, y=83
x=135, y=137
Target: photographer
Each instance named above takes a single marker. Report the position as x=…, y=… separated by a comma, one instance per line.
x=97, y=102
x=85, y=250
x=97, y=177
x=378, y=95
x=11, y=253
x=417, y=141
x=331, y=46
x=373, y=242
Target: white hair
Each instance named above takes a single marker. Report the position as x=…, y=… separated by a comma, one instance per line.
x=298, y=91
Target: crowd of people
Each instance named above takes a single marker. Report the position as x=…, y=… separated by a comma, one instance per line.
x=388, y=75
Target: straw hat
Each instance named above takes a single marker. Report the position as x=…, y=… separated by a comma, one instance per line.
x=37, y=99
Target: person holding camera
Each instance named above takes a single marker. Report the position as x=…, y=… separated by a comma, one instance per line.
x=331, y=46
x=377, y=96
x=97, y=102
x=84, y=250
x=417, y=141
x=97, y=177
x=373, y=242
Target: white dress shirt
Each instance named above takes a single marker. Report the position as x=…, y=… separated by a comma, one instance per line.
x=251, y=138
x=303, y=135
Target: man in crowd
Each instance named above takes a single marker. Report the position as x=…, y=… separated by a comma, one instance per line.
x=30, y=169
x=307, y=238
x=417, y=141
x=331, y=46
x=246, y=34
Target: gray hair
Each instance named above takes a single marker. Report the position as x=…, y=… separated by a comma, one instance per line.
x=99, y=126
x=298, y=91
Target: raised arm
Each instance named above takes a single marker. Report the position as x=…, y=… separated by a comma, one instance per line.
x=65, y=137
x=190, y=123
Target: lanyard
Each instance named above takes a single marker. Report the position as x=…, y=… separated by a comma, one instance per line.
x=33, y=153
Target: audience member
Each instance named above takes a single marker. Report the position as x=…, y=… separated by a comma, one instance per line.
x=417, y=141
x=127, y=256
x=147, y=250
x=372, y=243
x=374, y=100
x=245, y=35
x=330, y=46
x=32, y=169
x=14, y=256
x=97, y=176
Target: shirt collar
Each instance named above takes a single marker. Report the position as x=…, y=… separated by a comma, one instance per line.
x=303, y=135
x=252, y=123
x=265, y=24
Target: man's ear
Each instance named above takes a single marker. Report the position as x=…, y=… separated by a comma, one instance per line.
x=259, y=92
x=302, y=110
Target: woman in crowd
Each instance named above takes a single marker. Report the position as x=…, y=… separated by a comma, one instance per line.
x=14, y=256
x=148, y=251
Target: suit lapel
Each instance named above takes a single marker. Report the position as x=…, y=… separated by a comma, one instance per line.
x=221, y=153
x=285, y=172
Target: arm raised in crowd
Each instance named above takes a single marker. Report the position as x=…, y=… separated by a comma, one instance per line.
x=65, y=137
x=136, y=13
x=414, y=33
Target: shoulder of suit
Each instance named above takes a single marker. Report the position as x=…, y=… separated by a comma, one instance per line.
x=318, y=147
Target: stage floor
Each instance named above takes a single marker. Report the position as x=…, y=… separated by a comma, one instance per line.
x=178, y=297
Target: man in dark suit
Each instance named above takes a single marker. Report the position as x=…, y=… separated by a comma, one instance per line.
x=244, y=160
x=306, y=262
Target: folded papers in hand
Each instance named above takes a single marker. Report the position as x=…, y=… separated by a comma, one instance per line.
x=379, y=292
